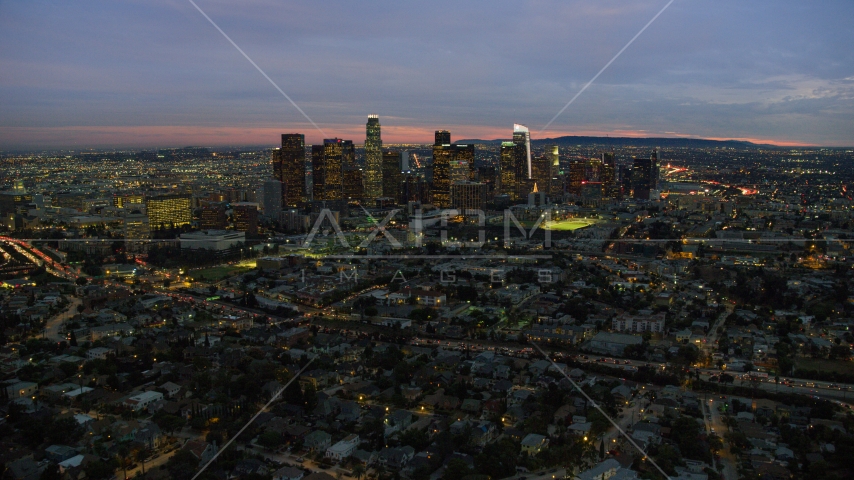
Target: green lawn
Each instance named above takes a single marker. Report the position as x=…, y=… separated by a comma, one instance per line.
x=219, y=272
x=569, y=225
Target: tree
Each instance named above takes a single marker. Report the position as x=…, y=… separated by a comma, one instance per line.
x=122, y=453
x=141, y=455
x=51, y=472
x=358, y=471
x=270, y=439
x=602, y=449
x=456, y=470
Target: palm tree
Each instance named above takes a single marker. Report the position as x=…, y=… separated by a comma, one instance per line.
x=122, y=452
x=141, y=455
x=358, y=471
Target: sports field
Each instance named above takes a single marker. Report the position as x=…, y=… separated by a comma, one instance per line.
x=569, y=225
x=222, y=271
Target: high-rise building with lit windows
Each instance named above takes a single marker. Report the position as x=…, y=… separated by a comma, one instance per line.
x=451, y=163
x=442, y=137
x=521, y=136
x=289, y=168
x=168, y=211
x=373, y=172
x=392, y=176
x=328, y=166
x=245, y=216
x=555, y=185
x=608, y=176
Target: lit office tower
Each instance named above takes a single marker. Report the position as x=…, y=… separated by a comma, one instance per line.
x=168, y=211
x=392, y=176
x=468, y=196
x=213, y=217
x=348, y=154
x=373, y=176
x=272, y=201
x=136, y=231
x=459, y=171
x=442, y=156
x=642, y=178
x=608, y=176
x=576, y=177
x=136, y=226
x=245, y=217
x=522, y=136
x=553, y=155
x=512, y=165
x=289, y=168
x=354, y=188
x=442, y=137
x=542, y=173
x=327, y=164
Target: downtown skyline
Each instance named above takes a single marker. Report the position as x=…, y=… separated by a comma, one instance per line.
x=158, y=74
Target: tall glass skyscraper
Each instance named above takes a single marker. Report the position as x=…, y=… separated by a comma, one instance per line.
x=328, y=165
x=522, y=136
x=289, y=168
x=373, y=158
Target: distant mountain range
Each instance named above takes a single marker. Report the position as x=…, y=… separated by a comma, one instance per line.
x=649, y=142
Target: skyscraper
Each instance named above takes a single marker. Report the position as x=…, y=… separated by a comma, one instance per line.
x=556, y=186
x=522, y=136
x=576, y=177
x=272, y=198
x=289, y=168
x=327, y=162
x=444, y=154
x=442, y=137
x=541, y=174
x=373, y=179
x=392, y=176
x=511, y=165
x=608, y=176
x=642, y=178
x=354, y=187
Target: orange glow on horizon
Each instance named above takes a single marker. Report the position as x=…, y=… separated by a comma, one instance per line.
x=177, y=136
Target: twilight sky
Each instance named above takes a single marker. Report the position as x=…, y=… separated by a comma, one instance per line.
x=145, y=73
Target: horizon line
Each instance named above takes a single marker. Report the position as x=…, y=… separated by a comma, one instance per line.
x=96, y=147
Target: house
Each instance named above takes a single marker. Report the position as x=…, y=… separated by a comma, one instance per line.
x=343, y=448
x=142, y=400
x=249, y=466
x=99, y=353
x=621, y=393
x=397, y=421
x=203, y=451
x=288, y=473
x=59, y=453
x=533, y=443
x=171, y=389
x=609, y=469
x=22, y=389
x=317, y=440
x=396, y=457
